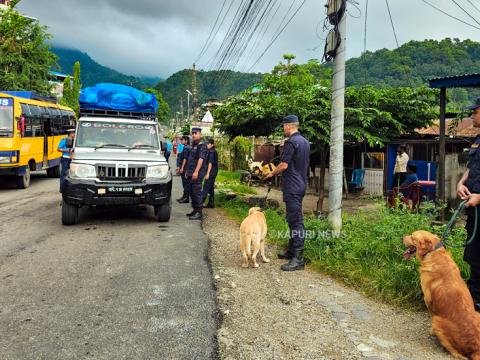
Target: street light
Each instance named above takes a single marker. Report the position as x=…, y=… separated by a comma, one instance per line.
x=188, y=103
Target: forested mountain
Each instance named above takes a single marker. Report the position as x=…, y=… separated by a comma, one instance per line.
x=92, y=72
x=210, y=85
x=415, y=62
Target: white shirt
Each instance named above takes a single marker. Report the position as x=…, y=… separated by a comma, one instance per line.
x=401, y=163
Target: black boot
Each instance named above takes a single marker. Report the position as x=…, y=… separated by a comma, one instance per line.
x=191, y=213
x=197, y=215
x=287, y=255
x=210, y=205
x=184, y=200
x=296, y=262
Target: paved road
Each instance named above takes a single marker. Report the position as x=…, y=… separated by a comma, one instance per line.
x=117, y=286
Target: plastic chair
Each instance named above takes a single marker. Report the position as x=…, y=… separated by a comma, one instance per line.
x=357, y=180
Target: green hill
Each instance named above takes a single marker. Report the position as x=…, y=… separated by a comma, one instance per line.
x=415, y=62
x=92, y=72
x=210, y=84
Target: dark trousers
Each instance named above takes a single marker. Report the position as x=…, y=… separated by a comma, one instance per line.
x=186, y=187
x=472, y=255
x=64, y=166
x=293, y=204
x=209, y=189
x=196, y=193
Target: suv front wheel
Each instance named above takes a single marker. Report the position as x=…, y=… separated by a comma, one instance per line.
x=69, y=214
x=163, y=212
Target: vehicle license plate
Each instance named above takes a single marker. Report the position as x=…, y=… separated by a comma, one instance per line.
x=120, y=189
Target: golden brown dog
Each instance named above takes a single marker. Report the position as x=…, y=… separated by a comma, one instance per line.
x=253, y=231
x=454, y=319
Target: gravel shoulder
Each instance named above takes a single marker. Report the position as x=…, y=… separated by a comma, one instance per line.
x=269, y=314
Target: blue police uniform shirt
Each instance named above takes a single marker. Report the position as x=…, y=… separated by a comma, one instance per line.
x=63, y=146
x=186, y=154
x=296, y=153
x=473, y=180
x=198, y=151
x=213, y=159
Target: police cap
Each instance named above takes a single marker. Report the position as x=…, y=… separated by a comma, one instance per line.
x=290, y=119
x=196, y=130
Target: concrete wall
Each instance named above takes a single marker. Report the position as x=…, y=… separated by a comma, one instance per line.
x=455, y=166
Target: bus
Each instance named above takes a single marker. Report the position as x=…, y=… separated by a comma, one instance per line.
x=31, y=129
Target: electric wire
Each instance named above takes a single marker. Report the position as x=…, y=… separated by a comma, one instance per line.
x=207, y=42
x=449, y=15
x=465, y=11
x=277, y=36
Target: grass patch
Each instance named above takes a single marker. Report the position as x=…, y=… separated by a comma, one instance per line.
x=367, y=255
x=231, y=180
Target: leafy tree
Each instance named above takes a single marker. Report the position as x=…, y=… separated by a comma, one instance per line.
x=163, y=113
x=371, y=115
x=71, y=89
x=25, y=59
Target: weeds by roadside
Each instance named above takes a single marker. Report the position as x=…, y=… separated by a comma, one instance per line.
x=367, y=254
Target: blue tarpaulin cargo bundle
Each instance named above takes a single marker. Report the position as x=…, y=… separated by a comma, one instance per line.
x=117, y=97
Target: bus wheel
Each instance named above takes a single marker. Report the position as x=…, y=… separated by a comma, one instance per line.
x=69, y=214
x=23, y=181
x=53, y=172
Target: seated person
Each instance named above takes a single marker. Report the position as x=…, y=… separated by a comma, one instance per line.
x=411, y=176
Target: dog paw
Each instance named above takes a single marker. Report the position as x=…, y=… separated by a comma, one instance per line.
x=244, y=266
x=266, y=260
x=255, y=266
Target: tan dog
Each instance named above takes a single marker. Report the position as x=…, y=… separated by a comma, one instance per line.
x=454, y=319
x=253, y=231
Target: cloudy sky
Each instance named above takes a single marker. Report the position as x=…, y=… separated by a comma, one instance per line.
x=160, y=37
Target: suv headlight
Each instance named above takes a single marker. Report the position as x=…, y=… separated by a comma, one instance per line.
x=82, y=171
x=158, y=171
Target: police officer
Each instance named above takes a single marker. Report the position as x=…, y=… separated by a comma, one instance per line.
x=182, y=159
x=469, y=188
x=212, y=171
x=294, y=166
x=66, y=148
x=195, y=172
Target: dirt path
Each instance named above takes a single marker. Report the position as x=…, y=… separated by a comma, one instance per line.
x=352, y=204
x=269, y=314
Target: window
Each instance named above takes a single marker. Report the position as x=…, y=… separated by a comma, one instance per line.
x=373, y=160
x=25, y=110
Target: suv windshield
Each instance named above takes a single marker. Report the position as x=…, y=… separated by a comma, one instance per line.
x=6, y=117
x=97, y=134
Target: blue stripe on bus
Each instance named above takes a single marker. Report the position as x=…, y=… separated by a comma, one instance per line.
x=8, y=153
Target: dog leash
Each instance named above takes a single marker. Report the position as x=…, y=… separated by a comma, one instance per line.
x=451, y=224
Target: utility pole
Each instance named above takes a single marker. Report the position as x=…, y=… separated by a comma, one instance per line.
x=189, y=93
x=181, y=112
x=194, y=87
x=337, y=125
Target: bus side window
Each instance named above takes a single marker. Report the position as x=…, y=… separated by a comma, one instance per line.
x=33, y=126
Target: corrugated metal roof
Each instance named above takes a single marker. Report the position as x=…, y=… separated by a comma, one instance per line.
x=466, y=80
x=464, y=129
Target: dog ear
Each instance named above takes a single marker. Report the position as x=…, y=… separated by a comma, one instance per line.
x=425, y=245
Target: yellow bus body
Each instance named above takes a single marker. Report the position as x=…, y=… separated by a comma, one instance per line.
x=31, y=143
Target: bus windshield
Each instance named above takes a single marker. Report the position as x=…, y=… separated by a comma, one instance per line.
x=98, y=134
x=6, y=117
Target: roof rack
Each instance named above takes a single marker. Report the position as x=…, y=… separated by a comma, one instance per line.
x=117, y=114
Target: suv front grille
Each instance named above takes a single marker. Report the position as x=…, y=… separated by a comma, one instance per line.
x=121, y=172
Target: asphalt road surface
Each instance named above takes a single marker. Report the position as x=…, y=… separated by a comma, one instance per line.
x=117, y=286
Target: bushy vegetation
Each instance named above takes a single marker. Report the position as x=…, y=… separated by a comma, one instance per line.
x=25, y=58
x=367, y=255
